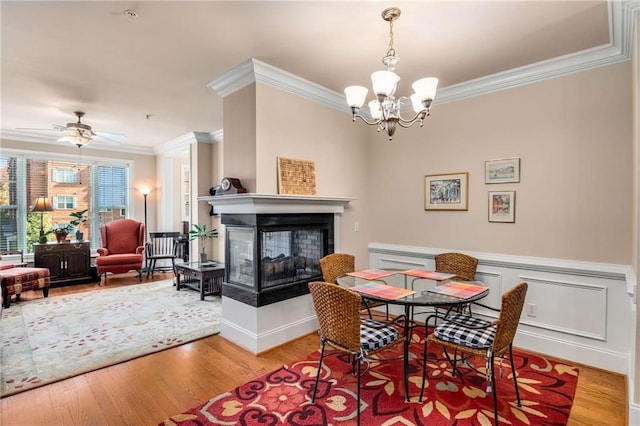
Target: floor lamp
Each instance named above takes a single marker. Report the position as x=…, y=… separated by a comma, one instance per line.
x=42, y=205
x=145, y=191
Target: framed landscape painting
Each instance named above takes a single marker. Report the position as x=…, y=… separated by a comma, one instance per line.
x=506, y=170
x=446, y=191
x=502, y=206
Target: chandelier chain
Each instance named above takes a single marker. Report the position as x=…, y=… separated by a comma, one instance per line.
x=391, y=51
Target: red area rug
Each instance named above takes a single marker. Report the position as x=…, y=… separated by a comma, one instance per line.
x=282, y=397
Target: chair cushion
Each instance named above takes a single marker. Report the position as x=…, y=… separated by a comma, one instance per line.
x=119, y=259
x=461, y=335
x=376, y=338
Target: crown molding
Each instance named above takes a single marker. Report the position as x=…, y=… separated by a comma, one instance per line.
x=255, y=71
x=93, y=146
x=621, y=21
x=181, y=144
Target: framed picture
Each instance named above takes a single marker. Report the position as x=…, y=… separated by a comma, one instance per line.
x=296, y=177
x=502, y=171
x=446, y=192
x=502, y=206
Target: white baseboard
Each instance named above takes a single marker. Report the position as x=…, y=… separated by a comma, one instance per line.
x=263, y=328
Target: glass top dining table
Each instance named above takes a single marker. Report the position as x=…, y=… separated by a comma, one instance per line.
x=419, y=298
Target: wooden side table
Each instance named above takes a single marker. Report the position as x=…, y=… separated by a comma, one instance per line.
x=206, y=277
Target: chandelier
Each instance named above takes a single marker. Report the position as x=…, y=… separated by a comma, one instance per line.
x=385, y=109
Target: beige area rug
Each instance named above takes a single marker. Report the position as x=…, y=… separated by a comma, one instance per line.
x=54, y=338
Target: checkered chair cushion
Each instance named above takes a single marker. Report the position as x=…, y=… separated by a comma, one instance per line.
x=457, y=330
x=375, y=335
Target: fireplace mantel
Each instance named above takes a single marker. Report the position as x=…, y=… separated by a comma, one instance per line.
x=274, y=203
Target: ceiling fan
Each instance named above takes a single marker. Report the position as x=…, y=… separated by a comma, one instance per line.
x=81, y=134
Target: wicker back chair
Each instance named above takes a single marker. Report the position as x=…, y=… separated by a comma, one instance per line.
x=335, y=265
x=478, y=337
x=338, y=312
x=464, y=266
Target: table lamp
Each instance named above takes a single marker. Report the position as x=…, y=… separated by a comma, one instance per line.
x=42, y=205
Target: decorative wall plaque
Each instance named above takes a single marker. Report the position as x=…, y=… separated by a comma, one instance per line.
x=296, y=177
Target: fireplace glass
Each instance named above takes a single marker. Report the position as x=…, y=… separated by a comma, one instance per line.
x=290, y=256
x=273, y=257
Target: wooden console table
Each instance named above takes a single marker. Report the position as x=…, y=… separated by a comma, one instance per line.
x=206, y=278
x=68, y=263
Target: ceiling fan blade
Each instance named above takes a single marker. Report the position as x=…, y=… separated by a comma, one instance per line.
x=54, y=128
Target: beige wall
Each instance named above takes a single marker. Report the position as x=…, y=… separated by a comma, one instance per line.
x=573, y=135
x=239, y=151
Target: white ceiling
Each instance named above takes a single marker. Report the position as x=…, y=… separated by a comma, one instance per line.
x=59, y=57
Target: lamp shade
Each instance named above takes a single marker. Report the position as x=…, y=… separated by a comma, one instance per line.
x=425, y=88
x=417, y=104
x=374, y=110
x=384, y=82
x=42, y=204
x=356, y=95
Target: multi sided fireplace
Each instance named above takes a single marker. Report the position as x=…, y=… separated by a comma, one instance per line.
x=273, y=257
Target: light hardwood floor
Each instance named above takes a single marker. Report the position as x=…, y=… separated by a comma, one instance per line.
x=147, y=390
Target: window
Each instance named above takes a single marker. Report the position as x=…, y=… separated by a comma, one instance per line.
x=99, y=185
x=64, y=202
x=65, y=175
x=112, y=198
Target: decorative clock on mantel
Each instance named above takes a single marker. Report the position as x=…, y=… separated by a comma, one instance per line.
x=230, y=185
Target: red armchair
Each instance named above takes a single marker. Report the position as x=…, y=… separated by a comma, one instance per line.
x=122, y=248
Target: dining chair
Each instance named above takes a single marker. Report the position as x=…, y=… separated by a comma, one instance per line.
x=342, y=328
x=335, y=265
x=463, y=266
x=477, y=337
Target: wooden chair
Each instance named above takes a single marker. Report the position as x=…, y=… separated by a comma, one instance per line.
x=478, y=337
x=160, y=246
x=335, y=265
x=338, y=312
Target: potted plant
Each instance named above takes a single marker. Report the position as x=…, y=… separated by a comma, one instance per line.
x=78, y=219
x=200, y=232
x=61, y=230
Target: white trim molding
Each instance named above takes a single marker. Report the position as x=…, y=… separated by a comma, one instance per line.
x=582, y=309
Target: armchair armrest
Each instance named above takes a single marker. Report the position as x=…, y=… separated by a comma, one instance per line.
x=139, y=249
x=103, y=251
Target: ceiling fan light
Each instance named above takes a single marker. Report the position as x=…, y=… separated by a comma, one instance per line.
x=77, y=140
x=426, y=88
x=356, y=95
x=384, y=82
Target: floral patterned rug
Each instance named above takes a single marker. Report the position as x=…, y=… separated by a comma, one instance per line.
x=50, y=339
x=282, y=397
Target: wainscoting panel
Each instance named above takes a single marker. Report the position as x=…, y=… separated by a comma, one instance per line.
x=579, y=311
x=567, y=307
